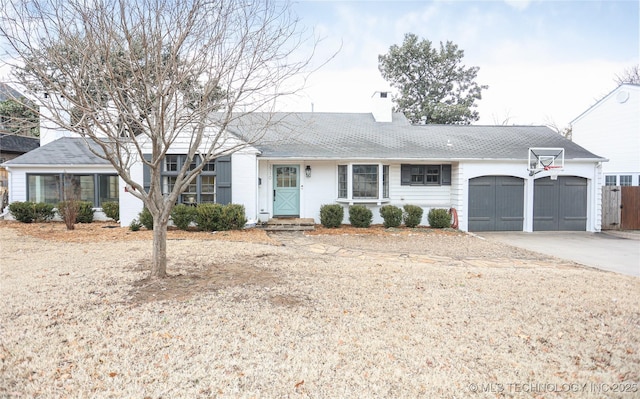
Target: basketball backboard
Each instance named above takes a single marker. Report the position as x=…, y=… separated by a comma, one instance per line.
x=545, y=158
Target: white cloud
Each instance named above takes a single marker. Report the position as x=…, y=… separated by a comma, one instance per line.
x=518, y=4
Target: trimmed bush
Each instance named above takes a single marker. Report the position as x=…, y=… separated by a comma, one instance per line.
x=412, y=215
x=111, y=210
x=233, y=217
x=392, y=215
x=217, y=217
x=360, y=216
x=182, y=215
x=27, y=211
x=85, y=212
x=331, y=215
x=439, y=218
x=146, y=219
x=208, y=216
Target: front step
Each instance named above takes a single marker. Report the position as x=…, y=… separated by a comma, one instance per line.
x=288, y=224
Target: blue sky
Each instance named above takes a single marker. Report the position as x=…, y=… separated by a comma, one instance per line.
x=544, y=61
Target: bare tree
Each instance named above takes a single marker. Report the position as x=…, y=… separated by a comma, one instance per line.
x=137, y=77
x=566, y=132
x=630, y=75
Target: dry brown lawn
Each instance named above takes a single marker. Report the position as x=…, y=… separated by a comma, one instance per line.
x=393, y=313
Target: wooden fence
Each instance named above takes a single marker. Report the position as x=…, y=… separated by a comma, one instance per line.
x=621, y=208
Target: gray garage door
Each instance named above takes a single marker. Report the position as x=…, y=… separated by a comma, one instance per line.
x=560, y=204
x=496, y=203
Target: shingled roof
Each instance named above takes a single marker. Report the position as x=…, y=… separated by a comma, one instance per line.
x=353, y=136
x=12, y=143
x=64, y=151
x=359, y=136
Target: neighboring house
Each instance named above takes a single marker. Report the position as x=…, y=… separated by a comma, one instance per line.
x=7, y=92
x=11, y=147
x=611, y=127
x=310, y=159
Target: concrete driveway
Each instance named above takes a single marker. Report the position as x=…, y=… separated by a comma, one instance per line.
x=615, y=252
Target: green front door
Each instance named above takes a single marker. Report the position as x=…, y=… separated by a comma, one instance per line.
x=286, y=190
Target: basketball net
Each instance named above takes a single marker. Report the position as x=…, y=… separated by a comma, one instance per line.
x=554, y=171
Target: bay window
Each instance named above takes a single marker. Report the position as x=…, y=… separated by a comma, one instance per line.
x=363, y=182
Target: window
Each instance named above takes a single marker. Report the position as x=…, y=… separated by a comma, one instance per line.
x=342, y=181
x=53, y=188
x=626, y=180
x=107, y=189
x=44, y=188
x=420, y=175
x=363, y=182
x=202, y=189
x=610, y=180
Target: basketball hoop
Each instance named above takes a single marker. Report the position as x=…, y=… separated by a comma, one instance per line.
x=545, y=159
x=554, y=171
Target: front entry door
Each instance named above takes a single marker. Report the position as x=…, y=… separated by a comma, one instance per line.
x=286, y=190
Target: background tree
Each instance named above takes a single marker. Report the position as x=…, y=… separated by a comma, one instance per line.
x=18, y=118
x=139, y=76
x=630, y=75
x=434, y=86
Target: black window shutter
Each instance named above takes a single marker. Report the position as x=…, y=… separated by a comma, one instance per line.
x=405, y=175
x=446, y=175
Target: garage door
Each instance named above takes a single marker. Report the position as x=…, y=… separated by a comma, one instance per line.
x=496, y=203
x=560, y=204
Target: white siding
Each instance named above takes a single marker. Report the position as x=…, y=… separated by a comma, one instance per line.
x=322, y=188
x=589, y=170
x=611, y=129
x=244, y=182
x=18, y=180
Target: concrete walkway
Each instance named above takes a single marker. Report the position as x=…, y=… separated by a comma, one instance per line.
x=617, y=252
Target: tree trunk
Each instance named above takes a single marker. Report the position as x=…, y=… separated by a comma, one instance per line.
x=159, y=260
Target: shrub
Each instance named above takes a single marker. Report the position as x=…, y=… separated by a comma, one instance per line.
x=392, y=215
x=331, y=215
x=85, y=212
x=208, y=216
x=233, y=217
x=74, y=211
x=360, y=216
x=111, y=210
x=135, y=225
x=182, y=216
x=412, y=215
x=27, y=211
x=68, y=211
x=217, y=217
x=146, y=219
x=439, y=218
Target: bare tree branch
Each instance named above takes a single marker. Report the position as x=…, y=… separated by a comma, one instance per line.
x=137, y=77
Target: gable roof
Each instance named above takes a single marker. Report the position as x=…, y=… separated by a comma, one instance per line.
x=631, y=86
x=18, y=144
x=7, y=92
x=358, y=136
x=64, y=151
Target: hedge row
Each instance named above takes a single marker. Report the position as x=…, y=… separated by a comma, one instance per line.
x=360, y=216
x=28, y=212
x=205, y=217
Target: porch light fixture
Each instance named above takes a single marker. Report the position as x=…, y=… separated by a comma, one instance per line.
x=307, y=171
